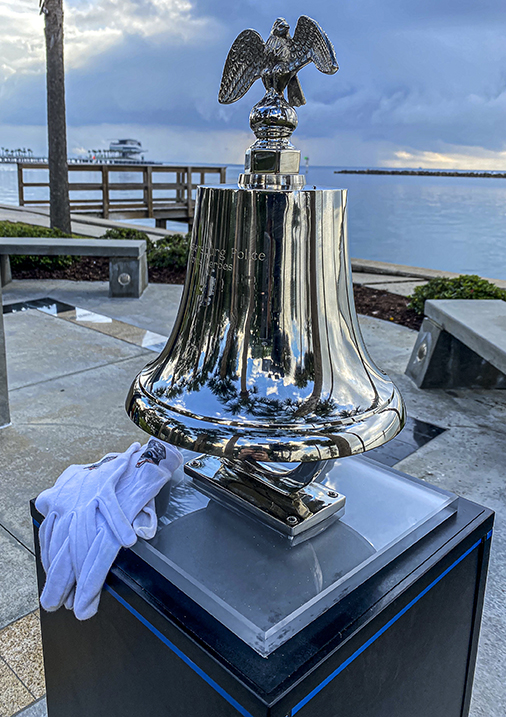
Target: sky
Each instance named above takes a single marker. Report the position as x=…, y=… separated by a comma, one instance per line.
x=422, y=83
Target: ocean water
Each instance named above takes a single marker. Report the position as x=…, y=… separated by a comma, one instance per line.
x=450, y=223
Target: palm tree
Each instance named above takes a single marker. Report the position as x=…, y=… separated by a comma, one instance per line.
x=56, y=122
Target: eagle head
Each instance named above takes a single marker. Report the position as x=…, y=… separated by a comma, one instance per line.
x=280, y=27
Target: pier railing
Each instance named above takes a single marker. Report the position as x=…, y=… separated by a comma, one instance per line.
x=162, y=192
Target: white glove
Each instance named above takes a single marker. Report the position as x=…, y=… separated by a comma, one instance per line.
x=60, y=504
x=91, y=512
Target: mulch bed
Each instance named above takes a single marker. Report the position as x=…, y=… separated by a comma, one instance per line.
x=94, y=268
x=371, y=302
x=166, y=276
x=86, y=268
x=382, y=305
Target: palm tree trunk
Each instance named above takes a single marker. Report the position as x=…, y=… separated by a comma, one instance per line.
x=56, y=123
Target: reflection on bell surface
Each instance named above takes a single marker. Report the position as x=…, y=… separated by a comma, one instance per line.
x=266, y=363
x=266, y=357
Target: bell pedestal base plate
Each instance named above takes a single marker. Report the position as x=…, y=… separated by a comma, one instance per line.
x=292, y=512
x=400, y=640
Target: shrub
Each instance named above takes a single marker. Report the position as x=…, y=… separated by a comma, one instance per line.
x=465, y=286
x=26, y=262
x=170, y=251
x=19, y=229
x=128, y=233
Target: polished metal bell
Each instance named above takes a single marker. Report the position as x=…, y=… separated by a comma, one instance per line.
x=266, y=363
x=266, y=359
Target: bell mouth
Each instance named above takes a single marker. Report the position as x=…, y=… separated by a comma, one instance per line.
x=298, y=417
x=270, y=443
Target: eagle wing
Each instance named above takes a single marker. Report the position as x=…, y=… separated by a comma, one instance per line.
x=311, y=44
x=243, y=66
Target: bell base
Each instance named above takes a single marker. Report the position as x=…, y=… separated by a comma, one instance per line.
x=289, y=512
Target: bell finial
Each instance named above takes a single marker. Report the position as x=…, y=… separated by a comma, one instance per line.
x=276, y=62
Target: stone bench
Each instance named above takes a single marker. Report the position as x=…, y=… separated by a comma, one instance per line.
x=461, y=343
x=128, y=268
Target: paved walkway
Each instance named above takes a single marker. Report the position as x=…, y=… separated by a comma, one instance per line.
x=68, y=376
x=402, y=285
x=82, y=225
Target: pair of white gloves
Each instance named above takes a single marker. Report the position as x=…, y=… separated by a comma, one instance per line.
x=90, y=513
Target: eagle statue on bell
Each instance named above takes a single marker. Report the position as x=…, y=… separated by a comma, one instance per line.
x=276, y=62
x=266, y=373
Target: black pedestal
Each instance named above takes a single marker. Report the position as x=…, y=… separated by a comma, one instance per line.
x=402, y=644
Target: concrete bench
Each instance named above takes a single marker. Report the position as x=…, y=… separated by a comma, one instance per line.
x=461, y=343
x=128, y=268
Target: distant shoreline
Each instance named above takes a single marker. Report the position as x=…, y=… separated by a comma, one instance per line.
x=423, y=172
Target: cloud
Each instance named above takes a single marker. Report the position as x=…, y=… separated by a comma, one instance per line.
x=92, y=28
x=426, y=78
x=450, y=157
x=21, y=39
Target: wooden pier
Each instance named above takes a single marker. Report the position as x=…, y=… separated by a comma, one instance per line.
x=124, y=191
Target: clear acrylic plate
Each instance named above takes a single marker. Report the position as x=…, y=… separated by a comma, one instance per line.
x=264, y=587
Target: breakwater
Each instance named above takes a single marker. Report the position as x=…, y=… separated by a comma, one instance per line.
x=423, y=172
